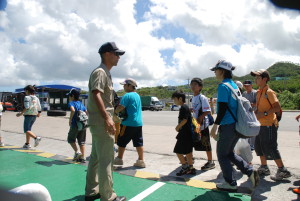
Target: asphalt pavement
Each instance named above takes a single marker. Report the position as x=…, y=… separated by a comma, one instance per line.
x=159, y=140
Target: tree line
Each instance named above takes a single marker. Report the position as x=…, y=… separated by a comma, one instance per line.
x=284, y=81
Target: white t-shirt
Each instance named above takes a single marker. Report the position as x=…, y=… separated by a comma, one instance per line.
x=198, y=102
x=32, y=104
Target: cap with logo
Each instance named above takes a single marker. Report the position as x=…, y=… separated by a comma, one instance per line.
x=247, y=82
x=262, y=72
x=110, y=47
x=129, y=81
x=222, y=64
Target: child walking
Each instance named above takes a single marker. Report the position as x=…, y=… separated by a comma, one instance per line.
x=76, y=105
x=32, y=110
x=201, y=108
x=184, y=144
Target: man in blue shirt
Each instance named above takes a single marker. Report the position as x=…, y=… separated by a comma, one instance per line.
x=131, y=126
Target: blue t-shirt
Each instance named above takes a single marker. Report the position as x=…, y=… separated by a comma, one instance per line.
x=133, y=106
x=225, y=95
x=77, y=106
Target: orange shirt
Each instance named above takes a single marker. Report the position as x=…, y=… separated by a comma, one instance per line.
x=263, y=105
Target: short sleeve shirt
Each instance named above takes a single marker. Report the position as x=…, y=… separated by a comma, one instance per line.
x=77, y=105
x=250, y=96
x=132, y=103
x=226, y=96
x=201, y=101
x=263, y=105
x=100, y=80
x=184, y=113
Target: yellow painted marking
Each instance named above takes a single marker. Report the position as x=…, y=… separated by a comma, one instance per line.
x=200, y=184
x=29, y=150
x=46, y=155
x=146, y=175
x=9, y=147
x=69, y=158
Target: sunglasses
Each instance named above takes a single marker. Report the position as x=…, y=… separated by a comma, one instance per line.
x=116, y=53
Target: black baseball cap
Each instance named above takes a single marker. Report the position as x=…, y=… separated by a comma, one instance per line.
x=110, y=47
x=247, y=82
x=73, y=92
x=197, y=80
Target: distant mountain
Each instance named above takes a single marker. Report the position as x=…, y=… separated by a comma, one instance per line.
x=280, y=69
x=284, y=69
x=290, y=71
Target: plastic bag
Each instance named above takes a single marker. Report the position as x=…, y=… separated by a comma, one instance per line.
x=243, y=149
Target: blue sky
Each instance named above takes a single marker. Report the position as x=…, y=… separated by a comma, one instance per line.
x=166, y=42
x=3, y=4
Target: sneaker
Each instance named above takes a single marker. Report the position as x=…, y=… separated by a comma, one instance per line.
x=139, y=163
x=120, y=198
x=77, y=156
x=254, y=178
x=1, y=144
x=296, y=190
x=226, y=187
x=182, y=171
x=26, y=146
x=281, y=174
x=37, y=141
x=92, y=198
x=208, y=166
x=263, y=170
x=192, y=171
x=81, y=160
x=118, y=161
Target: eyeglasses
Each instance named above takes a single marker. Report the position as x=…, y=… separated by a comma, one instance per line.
x=116, y=53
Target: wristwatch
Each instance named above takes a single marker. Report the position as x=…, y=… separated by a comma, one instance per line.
x=265, y=113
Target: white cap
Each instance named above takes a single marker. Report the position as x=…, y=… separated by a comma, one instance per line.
x=222, y=64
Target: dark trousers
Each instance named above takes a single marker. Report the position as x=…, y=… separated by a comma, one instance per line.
x=225, y=145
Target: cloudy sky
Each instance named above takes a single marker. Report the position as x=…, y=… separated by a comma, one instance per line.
x=167, y=42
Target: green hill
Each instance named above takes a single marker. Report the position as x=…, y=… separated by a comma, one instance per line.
x=284, y=81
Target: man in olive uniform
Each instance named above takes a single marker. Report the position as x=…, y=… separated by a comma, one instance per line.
x=99, y=182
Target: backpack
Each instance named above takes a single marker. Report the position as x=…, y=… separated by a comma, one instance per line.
x=81, y=118
x=195, y=130
x=247, y=124
x=33, y=106
x=278, y=114
x=211, y=120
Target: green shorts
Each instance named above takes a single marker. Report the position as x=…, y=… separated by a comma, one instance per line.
x=75, y=134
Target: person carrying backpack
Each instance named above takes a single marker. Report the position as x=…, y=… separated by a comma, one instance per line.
x=266, y=146
x=184, y=144
x=227, y=136
x=200, y=109
x=75, y=106
x=132, y=126
x=32, y=109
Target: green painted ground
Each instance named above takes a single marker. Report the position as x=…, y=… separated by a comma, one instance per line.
x=66, y=182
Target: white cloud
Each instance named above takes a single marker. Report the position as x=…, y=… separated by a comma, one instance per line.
x=44, y=42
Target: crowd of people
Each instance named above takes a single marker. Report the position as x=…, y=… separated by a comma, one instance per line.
x=103, y=121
